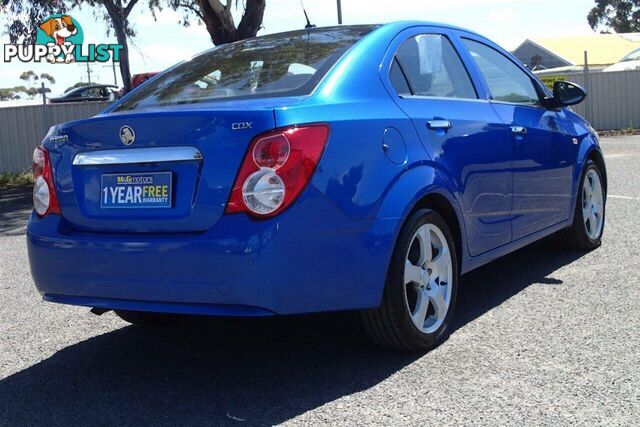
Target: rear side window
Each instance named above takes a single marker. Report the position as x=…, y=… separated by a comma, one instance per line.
x=429, y=66
x=398, y=79
x=506, y=81
x=285, y=64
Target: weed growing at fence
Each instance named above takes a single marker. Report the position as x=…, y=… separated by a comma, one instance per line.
x=620, y=132
x=9, y=180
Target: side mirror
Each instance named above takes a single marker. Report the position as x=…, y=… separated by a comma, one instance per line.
x=565, y=94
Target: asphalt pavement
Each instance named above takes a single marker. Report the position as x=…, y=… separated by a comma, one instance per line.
x=542, y=337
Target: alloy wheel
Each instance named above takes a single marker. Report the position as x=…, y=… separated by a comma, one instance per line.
x=427, y=278
x=592, y=204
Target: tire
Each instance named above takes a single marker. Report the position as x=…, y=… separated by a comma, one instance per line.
x=584, y=234
x=392, y=325
x=148, y=319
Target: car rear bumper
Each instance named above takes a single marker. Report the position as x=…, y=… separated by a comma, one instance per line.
x=309, y=259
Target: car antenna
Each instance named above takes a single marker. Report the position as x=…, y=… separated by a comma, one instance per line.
x=309, y=24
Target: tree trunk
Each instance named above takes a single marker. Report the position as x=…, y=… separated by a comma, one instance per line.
x=119, y=15
x=125, y=72
x=251, y=21
x=219, y=20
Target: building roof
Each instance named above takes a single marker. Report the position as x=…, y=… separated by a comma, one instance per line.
x=603, y=49
x=570, y=69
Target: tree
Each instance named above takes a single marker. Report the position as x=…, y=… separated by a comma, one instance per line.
x=29, y=91
x=219, y=21
x=30, y=78
x=119, y=16
x=216, y=16
x=47, y=76
x=8, y=94
x=29, y=13
x=621, y=16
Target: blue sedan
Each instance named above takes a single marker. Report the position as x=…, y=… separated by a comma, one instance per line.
x=344, y=168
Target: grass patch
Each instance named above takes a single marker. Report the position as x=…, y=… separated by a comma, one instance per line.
x=11, y=180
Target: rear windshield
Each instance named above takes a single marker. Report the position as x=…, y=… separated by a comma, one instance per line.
x=285, y=64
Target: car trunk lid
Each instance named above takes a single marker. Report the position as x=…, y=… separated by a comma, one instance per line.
x=187, y=160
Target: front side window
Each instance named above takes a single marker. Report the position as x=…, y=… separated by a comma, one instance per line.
x=284, y=64
x=428, y=65
x=506, y=81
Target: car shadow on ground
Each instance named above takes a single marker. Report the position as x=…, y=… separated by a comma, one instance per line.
x=15, y=206
x=217, y=371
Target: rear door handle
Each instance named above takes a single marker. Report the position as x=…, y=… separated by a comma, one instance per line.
x=519, y=130
x=438, y=124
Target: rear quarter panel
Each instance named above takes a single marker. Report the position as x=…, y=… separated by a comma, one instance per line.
x=355, y=173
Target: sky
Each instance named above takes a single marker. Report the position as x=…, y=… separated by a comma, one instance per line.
x=163, y=42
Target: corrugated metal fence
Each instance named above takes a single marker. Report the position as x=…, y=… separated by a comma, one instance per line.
x=613, y=103
x=22, y=129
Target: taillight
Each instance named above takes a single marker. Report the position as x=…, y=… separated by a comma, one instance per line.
x=45, y=200
x=275, y=170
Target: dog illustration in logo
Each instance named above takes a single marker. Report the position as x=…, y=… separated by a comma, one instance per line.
x=60, y=29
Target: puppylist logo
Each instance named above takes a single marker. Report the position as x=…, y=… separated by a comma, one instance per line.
x=59, y=39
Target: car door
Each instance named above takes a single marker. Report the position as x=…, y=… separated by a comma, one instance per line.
x=543, y=148
x=460, y=131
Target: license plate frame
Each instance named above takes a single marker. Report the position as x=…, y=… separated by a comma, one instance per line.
x=133, y=194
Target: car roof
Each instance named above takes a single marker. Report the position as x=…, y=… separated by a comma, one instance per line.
x=395, y=26
x=378, y=37
x=392, y=27
x=96, y=85
x=400, y=25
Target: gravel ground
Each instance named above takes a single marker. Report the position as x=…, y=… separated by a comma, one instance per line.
x=543, y=337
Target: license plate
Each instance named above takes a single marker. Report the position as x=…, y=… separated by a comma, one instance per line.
x=136, y=190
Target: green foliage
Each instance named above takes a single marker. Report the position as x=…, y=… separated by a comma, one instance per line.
x=29, y=91
x=28, y=76
x=25, y=15
x=550, y=80
x=620, y=16
x=8, y=94
x=22, y=179
x=31, y=77
x=47, y=76
x=13, y=93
